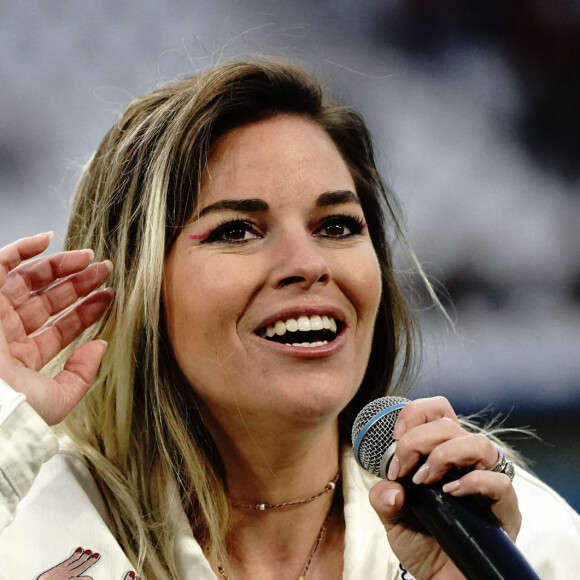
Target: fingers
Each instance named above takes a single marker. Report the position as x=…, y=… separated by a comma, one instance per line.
x=16, y=252
x=498, y=488
x=474, y=451
x=37, y=308
x=388, y=500
x=421, y=441
x=429, y=428
x=81, y=368
x=62, y=330
x=72, y=567
x=422, y=411
x=72, y=383
x=45, y=286
x=83, y=561
x=39, y=273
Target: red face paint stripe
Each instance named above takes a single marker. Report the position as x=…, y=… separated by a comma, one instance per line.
x=200, y=236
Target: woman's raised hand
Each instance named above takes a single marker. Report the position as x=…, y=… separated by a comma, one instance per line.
x=40, y=314
x=429, y=428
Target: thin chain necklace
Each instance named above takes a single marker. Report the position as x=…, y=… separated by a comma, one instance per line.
x=331, y=485
x=268, y=506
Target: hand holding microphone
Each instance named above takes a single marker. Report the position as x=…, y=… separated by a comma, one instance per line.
x=447, y=511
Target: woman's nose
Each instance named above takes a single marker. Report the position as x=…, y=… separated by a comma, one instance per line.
x=298, y=259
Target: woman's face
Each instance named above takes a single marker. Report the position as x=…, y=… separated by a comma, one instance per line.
x=272, y=289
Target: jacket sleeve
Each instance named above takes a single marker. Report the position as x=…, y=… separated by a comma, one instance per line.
x=26, y=442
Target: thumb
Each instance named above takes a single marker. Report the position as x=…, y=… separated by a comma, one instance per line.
x=78, y=373
x=81, y=367
x=388, y=499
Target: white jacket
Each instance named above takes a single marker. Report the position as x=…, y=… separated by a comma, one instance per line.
x=50, y=507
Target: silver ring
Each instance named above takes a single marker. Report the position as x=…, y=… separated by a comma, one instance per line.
x=504, y=466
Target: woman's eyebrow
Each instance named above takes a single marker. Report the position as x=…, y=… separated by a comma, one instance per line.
x=252, y=204
x=256, y=204
x=336, y=197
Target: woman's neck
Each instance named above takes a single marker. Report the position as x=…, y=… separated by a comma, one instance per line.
x=305, y=541
x=276, y=468
x=275, y=461
x=283, y=469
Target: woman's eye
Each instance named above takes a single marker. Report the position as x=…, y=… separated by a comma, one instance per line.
x=339, y=227
x=236, y=231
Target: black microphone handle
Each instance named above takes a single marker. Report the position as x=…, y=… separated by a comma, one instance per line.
x=468, y=532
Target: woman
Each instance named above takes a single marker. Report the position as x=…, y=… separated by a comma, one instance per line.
x=255, y=311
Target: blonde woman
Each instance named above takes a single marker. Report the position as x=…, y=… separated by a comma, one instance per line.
x=240, y=221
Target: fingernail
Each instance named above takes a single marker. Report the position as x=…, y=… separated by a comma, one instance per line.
x=87, y=552
x=450, y=487
x=89, y=252
x=399, y=429
x=78, y=550
x=109, y=265
x=49, y=234
x=393, y=471
x=421, y=474
x=132, y=574
x=389, y=497
x=95, y=555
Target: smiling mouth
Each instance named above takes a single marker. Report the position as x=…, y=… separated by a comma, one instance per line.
x=304, y=331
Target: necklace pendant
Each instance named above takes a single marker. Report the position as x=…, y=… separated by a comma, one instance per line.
x=302, y=578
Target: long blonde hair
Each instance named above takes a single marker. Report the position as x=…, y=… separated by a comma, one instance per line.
x=139, y=427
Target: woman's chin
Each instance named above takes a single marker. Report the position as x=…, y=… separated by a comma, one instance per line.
x=307, y=404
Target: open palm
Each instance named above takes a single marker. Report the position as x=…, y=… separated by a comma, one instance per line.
x=41, y=314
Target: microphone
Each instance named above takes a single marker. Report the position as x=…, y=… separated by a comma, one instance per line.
x=464, y=527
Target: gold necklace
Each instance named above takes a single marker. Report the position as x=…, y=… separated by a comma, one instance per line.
x=319, y=537
x=268, y=506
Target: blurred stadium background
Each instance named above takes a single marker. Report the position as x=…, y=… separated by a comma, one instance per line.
x=475, y=111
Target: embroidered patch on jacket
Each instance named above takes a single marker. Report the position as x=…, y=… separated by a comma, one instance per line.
x=75, y=566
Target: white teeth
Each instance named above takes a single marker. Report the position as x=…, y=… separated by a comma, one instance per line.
x=303, y=323
x=329, y=323
x=291, y=325
x=310, y=344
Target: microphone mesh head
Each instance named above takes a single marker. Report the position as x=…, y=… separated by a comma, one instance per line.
x=372, y=431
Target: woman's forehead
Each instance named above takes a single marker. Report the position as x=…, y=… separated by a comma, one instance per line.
x=272, y=157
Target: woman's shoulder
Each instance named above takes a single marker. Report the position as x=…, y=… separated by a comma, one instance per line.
x=66, y=480
x=541, y=503
x=62, y=513
x=63, y=491
x=550, y=533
